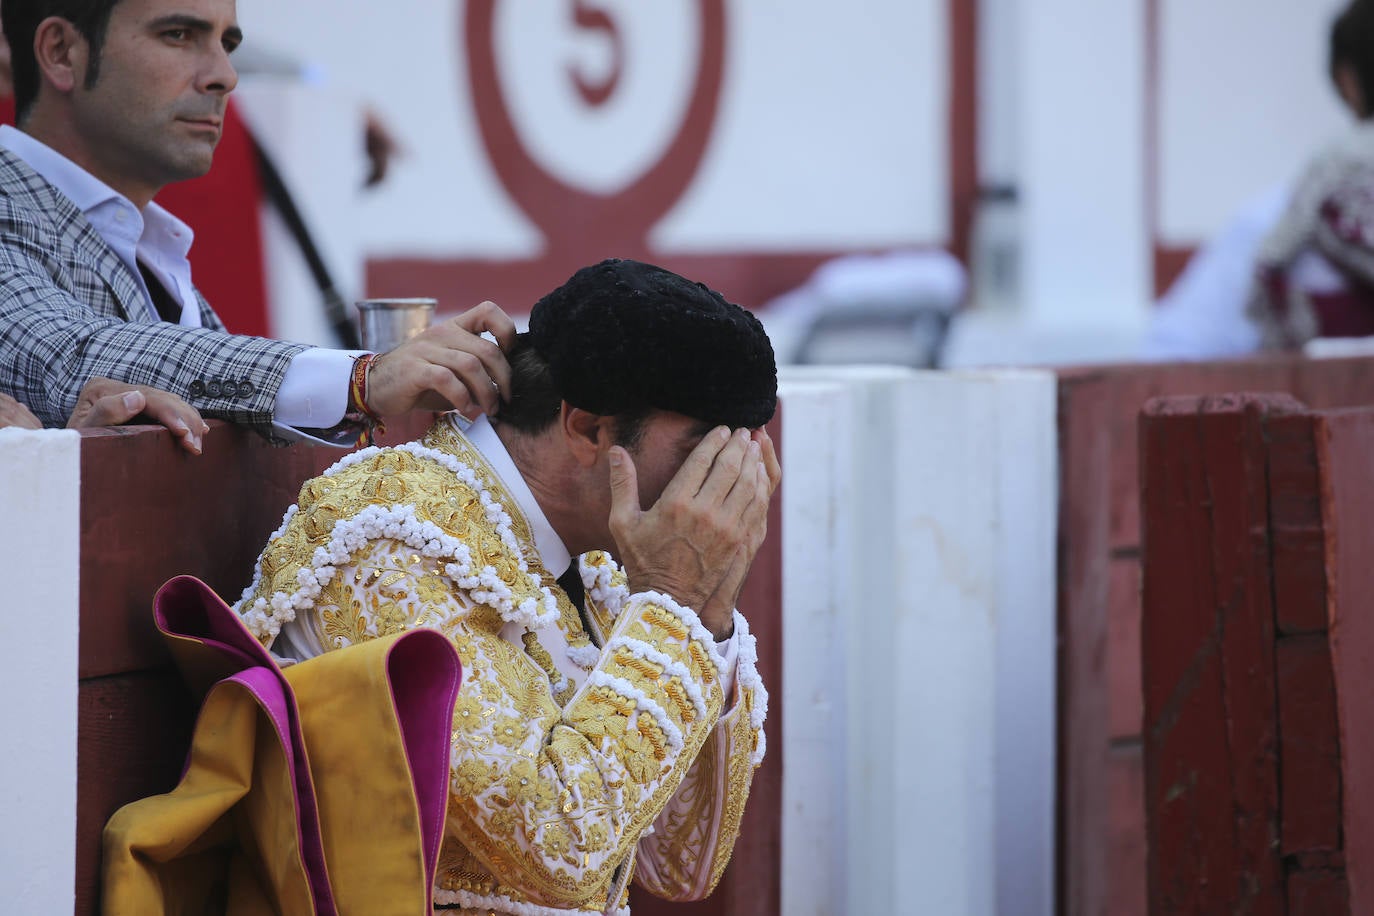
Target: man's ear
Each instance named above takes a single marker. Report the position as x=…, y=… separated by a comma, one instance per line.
x=62, y=54
x=588, y=435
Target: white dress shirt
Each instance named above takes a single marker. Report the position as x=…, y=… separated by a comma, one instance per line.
x=314, y=391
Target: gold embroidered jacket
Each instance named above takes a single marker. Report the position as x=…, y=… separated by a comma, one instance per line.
x=587, y=747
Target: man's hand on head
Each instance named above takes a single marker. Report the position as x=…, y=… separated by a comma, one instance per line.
x=449, y=366
x=725, y=599
x=104, y=402
x=697, y=542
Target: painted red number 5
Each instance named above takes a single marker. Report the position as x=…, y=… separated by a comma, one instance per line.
x=587, y=15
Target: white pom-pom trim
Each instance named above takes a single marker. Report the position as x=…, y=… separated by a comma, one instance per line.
x=747, y=676
x=584, y=657
x=689, y=619
x=399, y=523
x=291, y=511
x=499, y=903
x=643, y=702
x=596, y=579
x=671, y=667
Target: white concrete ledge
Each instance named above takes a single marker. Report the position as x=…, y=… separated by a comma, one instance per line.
x=40, y=502
x=928, y=515
x=819, y=479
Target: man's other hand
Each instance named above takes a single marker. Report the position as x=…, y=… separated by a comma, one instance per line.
x=697, y=542
x=12, y=413
x=448, y=366
x=725, y=598
x=104, y=402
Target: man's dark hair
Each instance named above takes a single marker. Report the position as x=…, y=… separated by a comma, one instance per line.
x=21, y=18
x=1352, y=46
x=623, y=337
x=534, y=399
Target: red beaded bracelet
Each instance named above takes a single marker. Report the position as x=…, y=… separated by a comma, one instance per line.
x=359, y=411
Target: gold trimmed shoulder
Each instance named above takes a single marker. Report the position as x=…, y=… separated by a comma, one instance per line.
x=422, y=498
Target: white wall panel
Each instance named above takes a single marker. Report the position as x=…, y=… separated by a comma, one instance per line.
x=40, y=501
x=940, y=552
x=1085, y=233
x=819, y=575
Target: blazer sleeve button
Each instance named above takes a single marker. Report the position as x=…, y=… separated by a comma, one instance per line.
x=246, y=389
x=197, y=389
x=214, y=389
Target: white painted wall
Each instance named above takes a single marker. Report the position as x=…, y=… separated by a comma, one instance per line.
x=314, y=136
x=1065, y=273
x=402, y=58
x=1021, y=427
x=40, y=489
x=975, y=506
x=865, y=457
x=1086, y=244
x=832, y=129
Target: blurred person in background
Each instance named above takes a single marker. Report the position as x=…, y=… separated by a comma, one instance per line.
x=1315, y=268
x=1294, y=263
x=113, y=104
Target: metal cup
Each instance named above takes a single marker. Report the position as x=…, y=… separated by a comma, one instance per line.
x=388, y=323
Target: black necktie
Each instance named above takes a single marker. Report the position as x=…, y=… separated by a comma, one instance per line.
x=168, y=308
x=571, y=582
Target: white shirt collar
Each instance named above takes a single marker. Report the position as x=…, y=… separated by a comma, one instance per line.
x=482, y=435
x=79, y=185
x=153, y=235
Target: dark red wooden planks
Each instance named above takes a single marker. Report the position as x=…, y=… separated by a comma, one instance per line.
x=1099, y=525
x=131, y=743
x=1346, y=455
x=1208, y=642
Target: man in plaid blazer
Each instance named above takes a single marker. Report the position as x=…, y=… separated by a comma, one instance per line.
x=113, y=103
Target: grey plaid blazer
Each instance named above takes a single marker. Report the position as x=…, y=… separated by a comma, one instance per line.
x=71, y=310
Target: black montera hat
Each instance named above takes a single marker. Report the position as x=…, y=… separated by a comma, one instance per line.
x=623, y=335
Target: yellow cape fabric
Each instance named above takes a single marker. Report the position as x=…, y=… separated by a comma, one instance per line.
x=226, y=840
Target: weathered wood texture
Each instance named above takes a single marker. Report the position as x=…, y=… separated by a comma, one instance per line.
x=1345, y=450
x=1211, y=742
x=132, y=735
x=1101, y=868
x=1247, y=807
x=151, y=512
